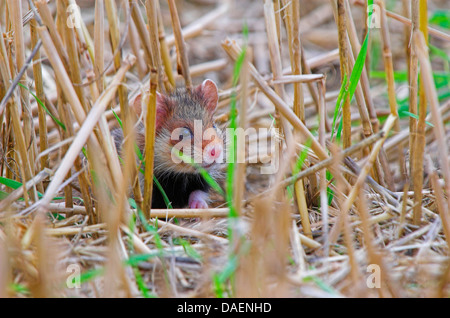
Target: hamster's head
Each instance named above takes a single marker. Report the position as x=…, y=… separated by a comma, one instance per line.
x=184, y=122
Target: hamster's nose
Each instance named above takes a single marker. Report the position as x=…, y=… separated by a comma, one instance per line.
x=216, y=151
x=213, y=151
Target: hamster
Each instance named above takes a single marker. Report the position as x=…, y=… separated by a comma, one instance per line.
x=184, y=121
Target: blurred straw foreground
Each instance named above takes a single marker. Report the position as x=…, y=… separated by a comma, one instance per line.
x=352, y=97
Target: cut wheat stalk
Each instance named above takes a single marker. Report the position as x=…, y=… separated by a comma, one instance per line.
x=323, y=59
x=240, y=175
x=413, y=74
x=432, y=31
x=362, y=93
x=406, y=8
x=196, y=28
x=306, y=69
x=116, y=43
x=211, y=66
x=13, y=110
x=15, y=10
x=39, y=87
x=99, y=44
x=296, y=58
x=85, y=130
x=296, y=53
x=150, y=135
x=404, y=134
x=357, y=187
x=343, y=220
x=76, y=78
x=442, y=206
x=141, y=29
x=326, y=163
x=169, y=226
x=180, y=44
x=155, y=213
x=62, y=75
x=419, y=138
x=169, y=79
x=233, y=51
x=13, y=196
x=369, y=110
x=275, y=59
x=63, y=110
x=389, y=68
x=298, y=79
x=431, y=95
x=5, y=277
x=156, y=64
x=75, y=230
x=82, y=32
x=340, y=17
x=45, y=17
x=323, y=182
x=135, y=47
x=374, y=256
x=72, y=51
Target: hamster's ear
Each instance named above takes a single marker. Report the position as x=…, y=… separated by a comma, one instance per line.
x=208, y=92
x=162, y=108
x=136, y=105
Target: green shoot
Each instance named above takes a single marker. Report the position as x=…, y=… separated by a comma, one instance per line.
x=204, y=173
x=40, y=103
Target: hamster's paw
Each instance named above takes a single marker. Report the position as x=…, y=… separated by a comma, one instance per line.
x=197, y=200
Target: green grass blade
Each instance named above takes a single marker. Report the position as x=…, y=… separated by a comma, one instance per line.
x=441, y=18
x=204, y=173
x=56, y=120
x=233, y=126
x=338, y=106
x=354, y=77
x=13, y=184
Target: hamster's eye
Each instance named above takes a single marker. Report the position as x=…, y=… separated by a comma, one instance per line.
x=185, y=133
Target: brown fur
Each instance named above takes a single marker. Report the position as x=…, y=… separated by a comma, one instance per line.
x=181, y=109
